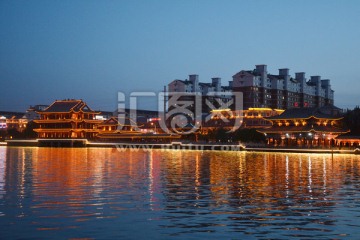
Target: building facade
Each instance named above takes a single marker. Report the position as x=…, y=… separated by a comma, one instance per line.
x=212, y=95
x=261, y=89
x=13, y=120
x=304, y=127
x=67, y=119
x=257, y=117
x=250, y=118
x=3, y=124
x=125, y=129
x=32, y=112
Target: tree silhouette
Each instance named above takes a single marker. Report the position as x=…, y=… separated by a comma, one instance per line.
x=352, y=120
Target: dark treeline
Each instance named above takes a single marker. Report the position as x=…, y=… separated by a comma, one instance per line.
x=242, y=135
x=352, y=120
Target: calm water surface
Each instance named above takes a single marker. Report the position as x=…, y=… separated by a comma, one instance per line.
x=95, y=193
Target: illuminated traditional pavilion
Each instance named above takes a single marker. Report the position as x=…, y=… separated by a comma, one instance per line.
x=125, y=129
x=257, y=117
x=303, y=127
x=250, y=118
x=66, y=119
x=115, y=127
x=348, y=140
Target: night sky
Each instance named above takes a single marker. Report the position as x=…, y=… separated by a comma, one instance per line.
x=93, y=49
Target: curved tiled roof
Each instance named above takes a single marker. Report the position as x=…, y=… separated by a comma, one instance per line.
x=67, y=106
x=302, y=113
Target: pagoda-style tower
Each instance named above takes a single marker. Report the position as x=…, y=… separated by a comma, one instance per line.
x=67, y=119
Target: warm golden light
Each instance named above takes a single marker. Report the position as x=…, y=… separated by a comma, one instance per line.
x=260, y=109
x=221, y=110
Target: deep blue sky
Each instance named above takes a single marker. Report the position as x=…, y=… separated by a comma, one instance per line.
x=92, y=49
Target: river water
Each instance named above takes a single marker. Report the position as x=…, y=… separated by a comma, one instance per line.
x=100, y=193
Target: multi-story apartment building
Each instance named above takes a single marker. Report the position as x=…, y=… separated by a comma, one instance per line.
x=212, y=94
x=262, y=90
x=193, y=85
x=281, y=91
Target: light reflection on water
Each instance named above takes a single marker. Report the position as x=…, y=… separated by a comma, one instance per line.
x=106, y=194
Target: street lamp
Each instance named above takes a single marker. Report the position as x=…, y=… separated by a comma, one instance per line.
x=152, y=124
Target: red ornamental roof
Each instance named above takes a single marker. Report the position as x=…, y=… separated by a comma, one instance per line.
x=65, y=106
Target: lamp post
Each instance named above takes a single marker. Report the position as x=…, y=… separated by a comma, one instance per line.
x=152, y=124
x=311, y=139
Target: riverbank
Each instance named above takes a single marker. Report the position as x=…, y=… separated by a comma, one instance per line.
x=304, y=150
x=122, y=145
x=169, y=146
